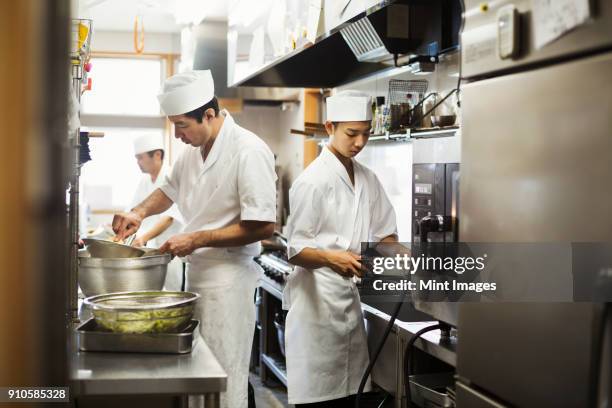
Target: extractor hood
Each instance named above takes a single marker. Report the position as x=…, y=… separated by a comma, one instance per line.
x=367, y=43
x=211, y=53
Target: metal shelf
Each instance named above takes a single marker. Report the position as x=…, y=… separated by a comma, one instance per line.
x=415, y=134
x=434, y=132
x=277, y=366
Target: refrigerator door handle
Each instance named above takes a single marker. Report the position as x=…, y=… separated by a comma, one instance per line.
x=434, y=223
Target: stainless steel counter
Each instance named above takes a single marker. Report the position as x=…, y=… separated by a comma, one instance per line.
x=431, y=342
x=388, y=371
x=114, y=374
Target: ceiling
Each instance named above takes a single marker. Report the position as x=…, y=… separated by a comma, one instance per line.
x=158, y=15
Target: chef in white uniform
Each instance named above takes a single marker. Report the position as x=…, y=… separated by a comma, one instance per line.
x=224, y=186
x=156, y=229
x=336, y=204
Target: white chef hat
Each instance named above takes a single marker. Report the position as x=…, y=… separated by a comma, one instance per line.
x=148, y=143
x=184, y=92
x=349, y=106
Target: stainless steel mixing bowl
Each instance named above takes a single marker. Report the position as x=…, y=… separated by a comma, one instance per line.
x=107, y=275
x=144, y=311
x=100, y=248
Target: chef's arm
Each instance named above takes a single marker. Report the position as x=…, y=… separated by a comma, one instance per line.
x=242, y=233
x=125, y=224
x=344, y=263
x=162, y=225
x=389, y=247
x=156, y=203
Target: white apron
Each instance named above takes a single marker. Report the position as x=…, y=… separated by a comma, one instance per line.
x=326, y=342
x=236, y=182
x=227, y=288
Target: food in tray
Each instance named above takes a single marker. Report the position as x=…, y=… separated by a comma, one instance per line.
x=144, y=321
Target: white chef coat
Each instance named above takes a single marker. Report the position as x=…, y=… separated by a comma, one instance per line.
x=326, y=344
x=145, y=187
x=235, y=183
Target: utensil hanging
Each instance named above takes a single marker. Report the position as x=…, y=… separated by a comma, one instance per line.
x=138, y=36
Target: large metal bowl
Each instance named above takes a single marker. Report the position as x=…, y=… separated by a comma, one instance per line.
x=108, y=275
x=144, y=311
x=100, y=248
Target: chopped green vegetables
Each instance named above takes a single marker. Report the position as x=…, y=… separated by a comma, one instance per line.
x=145, y=321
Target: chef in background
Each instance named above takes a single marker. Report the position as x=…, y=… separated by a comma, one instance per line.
x=336, y=204
x=155, y=230
x=224, y=186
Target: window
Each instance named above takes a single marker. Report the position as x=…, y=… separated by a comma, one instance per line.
x=123, y=104
x=124, y=86
x=109, y=180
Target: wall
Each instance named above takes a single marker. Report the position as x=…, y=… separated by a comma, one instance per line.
x=442, y=80
x=273, y=126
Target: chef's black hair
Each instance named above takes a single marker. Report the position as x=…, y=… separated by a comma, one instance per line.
x=198, y=113
x=152, y=152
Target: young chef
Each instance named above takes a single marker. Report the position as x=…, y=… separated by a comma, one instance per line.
x=156, y=229
x=336, y=204
x=224, y=186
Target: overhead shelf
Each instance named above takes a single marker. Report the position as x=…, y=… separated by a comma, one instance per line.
x=325, y=64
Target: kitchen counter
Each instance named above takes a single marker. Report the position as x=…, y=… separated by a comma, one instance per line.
x=388, y=372
x=122, y=374
x=430, y=342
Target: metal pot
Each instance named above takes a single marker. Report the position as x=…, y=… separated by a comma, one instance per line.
x=107, y=275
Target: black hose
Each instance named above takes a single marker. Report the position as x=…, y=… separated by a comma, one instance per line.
x=407, y=361
x=368, y=370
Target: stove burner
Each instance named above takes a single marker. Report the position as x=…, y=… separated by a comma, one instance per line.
x=275, y=266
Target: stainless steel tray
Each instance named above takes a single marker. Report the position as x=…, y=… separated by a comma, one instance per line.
x=431, y=390
x=92, y=338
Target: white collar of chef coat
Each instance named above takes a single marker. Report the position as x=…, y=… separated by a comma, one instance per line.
x=336, y=165
x=217, y=149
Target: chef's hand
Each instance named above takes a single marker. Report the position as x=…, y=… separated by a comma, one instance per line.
x=179, y=245
x=139, y=242
x=126, y=224
x=345, y=263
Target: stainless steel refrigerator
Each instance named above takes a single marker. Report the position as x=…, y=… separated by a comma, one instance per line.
x=536, y=167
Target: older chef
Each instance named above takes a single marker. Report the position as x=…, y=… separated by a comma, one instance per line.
x=224, y=186
x=336, y=204
x=156, y=229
